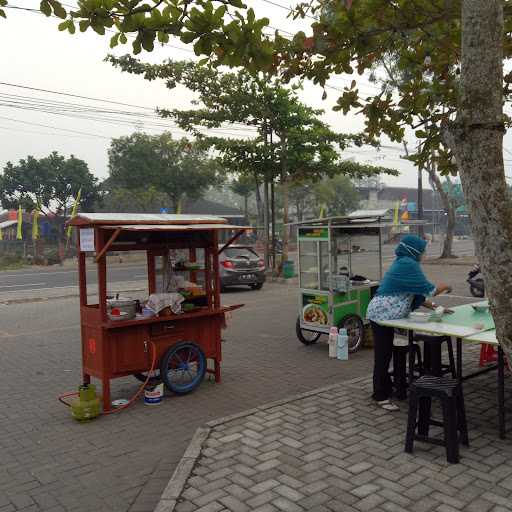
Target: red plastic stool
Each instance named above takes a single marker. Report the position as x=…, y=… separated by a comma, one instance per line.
x=487, y=354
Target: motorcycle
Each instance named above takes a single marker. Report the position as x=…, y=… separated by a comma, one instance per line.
x=476, y=284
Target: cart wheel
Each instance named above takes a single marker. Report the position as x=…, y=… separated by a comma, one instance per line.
x=305, y=336
x=155, y=379
x=182, y=367
x=355, y=330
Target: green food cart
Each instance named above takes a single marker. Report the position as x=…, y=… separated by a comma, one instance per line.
x=332, y=251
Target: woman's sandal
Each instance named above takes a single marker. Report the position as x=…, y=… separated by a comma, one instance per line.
x=388, y=405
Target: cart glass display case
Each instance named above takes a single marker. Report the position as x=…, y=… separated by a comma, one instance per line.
x=340, y=267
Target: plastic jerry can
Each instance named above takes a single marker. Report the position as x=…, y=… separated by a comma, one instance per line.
x=342, y=345
x=333, y=340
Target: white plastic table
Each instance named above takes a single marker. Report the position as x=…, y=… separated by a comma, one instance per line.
x=466, y=326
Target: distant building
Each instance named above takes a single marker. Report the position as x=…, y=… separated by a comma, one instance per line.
x=380, y=196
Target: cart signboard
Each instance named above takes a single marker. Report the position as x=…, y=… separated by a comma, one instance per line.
x=315, y=309
x=313, y=233
x=87, y=240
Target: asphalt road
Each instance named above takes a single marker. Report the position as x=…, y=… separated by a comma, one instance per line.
x=32, y=279
x=63, y=277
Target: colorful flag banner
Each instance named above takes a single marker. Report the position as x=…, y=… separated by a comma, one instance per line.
x=35, y=223
x=19, y=233
x=75, y=210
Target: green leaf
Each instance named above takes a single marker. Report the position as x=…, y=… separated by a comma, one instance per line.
x=2, y=14
x=58, y=10
x=99, y=29
x=63, y=26
x=123, y=39
x=114, y=40
x=45, y=8
x=84, y=25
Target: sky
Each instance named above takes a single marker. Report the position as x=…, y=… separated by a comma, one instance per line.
x=36, y=55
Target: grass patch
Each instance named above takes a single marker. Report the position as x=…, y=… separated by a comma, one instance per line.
x=11, y=262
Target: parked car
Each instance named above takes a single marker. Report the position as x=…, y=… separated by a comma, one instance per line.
x=241, y=265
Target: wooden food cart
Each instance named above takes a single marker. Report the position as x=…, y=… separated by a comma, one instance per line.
x=181, y=344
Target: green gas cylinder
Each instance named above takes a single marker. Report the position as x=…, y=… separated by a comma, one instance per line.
x=87, y=405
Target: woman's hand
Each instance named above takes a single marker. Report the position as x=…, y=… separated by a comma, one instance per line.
x=443, y=288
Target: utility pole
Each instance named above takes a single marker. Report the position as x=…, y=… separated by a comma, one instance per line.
x=273, y=207
x=421, y=231
x=266, y=207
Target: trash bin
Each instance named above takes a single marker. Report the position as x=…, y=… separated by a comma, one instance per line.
x=288, y=269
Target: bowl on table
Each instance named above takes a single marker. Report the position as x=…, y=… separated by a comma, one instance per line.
x=419, y=317
x=480, y=308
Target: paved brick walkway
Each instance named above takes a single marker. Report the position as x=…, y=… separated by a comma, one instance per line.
x=335, y=451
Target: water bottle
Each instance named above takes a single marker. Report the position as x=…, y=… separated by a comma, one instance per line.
x=333, y=341
x=342, y=345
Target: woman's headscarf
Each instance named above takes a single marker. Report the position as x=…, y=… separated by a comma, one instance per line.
x=405, y=274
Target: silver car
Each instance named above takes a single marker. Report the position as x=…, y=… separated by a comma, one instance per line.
x=241, y=265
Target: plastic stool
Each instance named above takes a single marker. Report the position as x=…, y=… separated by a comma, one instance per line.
x=399, y=373
x=432, y=355
x=449, y=392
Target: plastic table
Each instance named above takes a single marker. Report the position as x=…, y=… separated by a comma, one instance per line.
x=467, y=326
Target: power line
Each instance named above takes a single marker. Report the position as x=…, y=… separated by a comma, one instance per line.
x=54, y=127
x=287, y=8
x=10, y=128
x=75, y=95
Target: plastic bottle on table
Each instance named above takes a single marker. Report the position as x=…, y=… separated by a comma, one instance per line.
x=333, y=340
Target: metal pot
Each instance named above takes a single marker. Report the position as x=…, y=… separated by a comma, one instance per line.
x=125, y=305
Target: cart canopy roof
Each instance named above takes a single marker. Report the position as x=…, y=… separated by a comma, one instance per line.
x=173, y=227
x=356, y=216
x=147, y=219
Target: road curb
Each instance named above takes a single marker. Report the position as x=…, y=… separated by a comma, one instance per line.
x=172, y=492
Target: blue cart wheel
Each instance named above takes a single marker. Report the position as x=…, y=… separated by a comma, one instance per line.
x=182, y=367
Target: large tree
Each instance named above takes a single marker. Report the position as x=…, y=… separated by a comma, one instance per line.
x=179, y=169
x=291, y=143
x=49, y=184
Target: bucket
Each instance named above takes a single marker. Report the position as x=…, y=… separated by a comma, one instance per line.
x=288, y=269
x=153, y=394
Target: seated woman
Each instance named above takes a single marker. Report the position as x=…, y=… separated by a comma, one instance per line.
x=403, y=289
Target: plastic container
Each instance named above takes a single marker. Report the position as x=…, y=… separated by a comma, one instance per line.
x=288, y=269
x=342, y=345
x=333, y=340
x=153, y=394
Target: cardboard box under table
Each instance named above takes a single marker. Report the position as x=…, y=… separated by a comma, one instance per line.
x=112, y=349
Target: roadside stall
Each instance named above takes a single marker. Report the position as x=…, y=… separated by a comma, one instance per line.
x=340, y=266
x=173, y=336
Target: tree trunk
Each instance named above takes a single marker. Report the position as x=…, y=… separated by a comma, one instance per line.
x=259, y=206
x=476, y=138
x=449, y=207
x=286, y=208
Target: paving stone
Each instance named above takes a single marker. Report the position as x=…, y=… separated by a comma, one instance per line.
x=369, y=503
x=365, y=490
x=262, y=498
x=286, y=505
x=234, y=504
x=288, y=492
